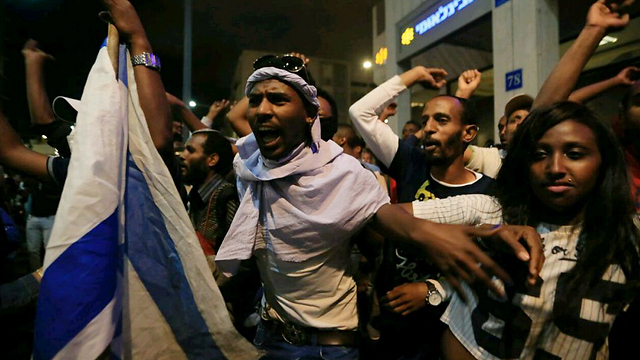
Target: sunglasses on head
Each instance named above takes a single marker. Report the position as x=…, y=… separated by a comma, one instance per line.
x=292, y=64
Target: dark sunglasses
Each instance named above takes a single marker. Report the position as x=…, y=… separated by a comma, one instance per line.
x=292, y=64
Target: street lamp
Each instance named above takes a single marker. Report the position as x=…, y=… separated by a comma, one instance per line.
x=366, y=64
x=192, y=103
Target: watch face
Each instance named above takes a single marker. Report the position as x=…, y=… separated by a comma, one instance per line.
x=435, y=298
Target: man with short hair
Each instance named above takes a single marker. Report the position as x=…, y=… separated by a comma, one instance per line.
x=205, y=162
x=347, y=138
x=411, y=327
x=302, y=200
x=410, y=127
x=489, y=160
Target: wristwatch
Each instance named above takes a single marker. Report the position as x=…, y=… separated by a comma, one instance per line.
x=433, y=295
x=147, y=59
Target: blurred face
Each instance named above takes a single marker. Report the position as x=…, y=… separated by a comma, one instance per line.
x=408, y=130
x=326, y=122
x=177, y=128
x=278, y=118
x=632, y=114
x=513, y=121
x=445, y=135
x=325, y=108
x=502, y=125
x=193, y=161
x=366, y=157
x=565, y=166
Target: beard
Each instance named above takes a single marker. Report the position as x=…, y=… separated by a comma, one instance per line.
x=196, y=173
x=448, y=151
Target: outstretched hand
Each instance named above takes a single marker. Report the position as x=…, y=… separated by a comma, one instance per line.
x=607, y=14
x=430, y=78
x=460, y=259
x=628, y=76
x=217, y=107
x=30, y=51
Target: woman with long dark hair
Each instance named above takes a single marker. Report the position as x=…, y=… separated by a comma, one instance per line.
x=564, y=175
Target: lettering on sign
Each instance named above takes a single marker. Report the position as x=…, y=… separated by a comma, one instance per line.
x=443, y=13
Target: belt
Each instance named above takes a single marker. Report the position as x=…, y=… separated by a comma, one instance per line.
x=298, y=335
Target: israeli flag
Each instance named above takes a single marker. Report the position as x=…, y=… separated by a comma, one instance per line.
x=124, y=274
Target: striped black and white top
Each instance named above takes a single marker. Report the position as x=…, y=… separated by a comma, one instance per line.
x=528, y=324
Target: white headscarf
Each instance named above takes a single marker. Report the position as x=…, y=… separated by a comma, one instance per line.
x=308, y=202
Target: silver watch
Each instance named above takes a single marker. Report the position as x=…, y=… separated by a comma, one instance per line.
x=147, y=59
x=433, y=295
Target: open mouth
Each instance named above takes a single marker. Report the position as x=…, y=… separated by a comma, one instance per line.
x=268, y=135
x=430, y=145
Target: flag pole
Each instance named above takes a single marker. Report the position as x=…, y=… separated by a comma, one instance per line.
x=113, y=47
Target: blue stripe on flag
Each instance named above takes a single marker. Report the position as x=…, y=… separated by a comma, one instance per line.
x=87, y=273
x=122, y=65
x=155, y=259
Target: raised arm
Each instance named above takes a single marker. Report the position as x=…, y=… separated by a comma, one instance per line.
x=39, y=105
x=468, y=83
x=182, y=112
x=564, y=76
x=237, y=117
x=150, y=88
x=215, y=110
x=626, y=77
x=379, y=137
x=15, y=155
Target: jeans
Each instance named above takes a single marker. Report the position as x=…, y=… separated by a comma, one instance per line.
x=38, y=231
x=278, y=349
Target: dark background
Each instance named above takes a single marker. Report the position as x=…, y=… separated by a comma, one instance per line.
x=71, y=31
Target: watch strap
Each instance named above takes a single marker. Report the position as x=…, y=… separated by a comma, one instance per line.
x=147, y=59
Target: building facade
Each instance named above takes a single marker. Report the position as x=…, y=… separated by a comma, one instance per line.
x=515, y=43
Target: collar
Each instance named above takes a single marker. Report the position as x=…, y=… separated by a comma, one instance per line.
x=205, y=190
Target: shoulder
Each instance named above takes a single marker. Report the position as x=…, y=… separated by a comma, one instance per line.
x=57, y=169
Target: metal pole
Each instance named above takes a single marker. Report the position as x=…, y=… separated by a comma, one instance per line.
x=186, y=63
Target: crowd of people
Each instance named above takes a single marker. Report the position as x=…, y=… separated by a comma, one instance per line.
x=342, y=240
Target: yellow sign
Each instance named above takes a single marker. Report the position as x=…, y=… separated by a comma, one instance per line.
x=381, y=56
x=407, y=36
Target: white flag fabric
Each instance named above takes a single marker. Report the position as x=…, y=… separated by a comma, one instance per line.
x=124, y=274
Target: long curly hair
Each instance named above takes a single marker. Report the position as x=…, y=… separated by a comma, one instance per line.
x=608, y=235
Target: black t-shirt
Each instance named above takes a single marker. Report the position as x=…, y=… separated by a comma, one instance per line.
x=46, y=198
x=403, y=264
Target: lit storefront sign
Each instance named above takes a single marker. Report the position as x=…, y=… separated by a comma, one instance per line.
x=442, y=14
x=407, y=36
x=381, y=56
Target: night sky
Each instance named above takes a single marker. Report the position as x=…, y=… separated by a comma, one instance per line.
x=71, y=31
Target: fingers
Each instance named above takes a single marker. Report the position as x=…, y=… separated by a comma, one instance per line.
x=437, y=72
x=441, y=83
x=512, y=240
x=491, y=267
x=534, y=243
